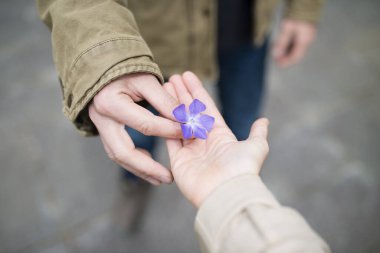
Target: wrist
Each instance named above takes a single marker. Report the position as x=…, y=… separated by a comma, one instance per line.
x=207, y=188
x=225, y=190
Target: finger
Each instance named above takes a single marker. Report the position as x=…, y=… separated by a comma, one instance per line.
x=103, y=124
x=173, y=146
x=259, y=129
x=283, y=42
x=144, y=166
x=151, y=180
x=121, y=149
x=159, y=98
x=259, y=133
x=171, y=90
x=298, y=50
x=130, y=169
x=184, y=98
x=196, y=89
x=182, y=93
x=125, y=111
x=145, y=151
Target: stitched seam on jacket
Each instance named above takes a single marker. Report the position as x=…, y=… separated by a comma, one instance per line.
x=99, y=44
x=205, y=236
x=88, y=50
x=243, y=206
x=104, y=80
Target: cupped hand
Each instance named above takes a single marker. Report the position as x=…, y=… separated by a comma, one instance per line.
x=294, y=39
x=116, y=106
x=199, y=166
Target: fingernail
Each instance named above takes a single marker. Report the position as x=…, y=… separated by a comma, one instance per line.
x=153, y=181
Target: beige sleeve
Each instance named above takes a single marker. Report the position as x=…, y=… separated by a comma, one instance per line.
x=243, y=216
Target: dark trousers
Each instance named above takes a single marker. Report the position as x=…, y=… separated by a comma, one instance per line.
x=241, y=86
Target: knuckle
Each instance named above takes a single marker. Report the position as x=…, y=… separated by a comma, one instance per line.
x=166, y=86
x=113, y=156
x=102, y=101
x=266, y=147
x=145, y=127
x=144, y=174
x=117, y=157
x=174, y=78
x=263, y=145
x=138, y=172
x=92, y=112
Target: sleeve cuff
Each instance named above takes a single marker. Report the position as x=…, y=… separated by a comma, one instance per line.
x=305, y=10
x=98, y=66
x=225, y=202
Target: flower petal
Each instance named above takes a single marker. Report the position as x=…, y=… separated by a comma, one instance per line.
x=180, y=113
x=196, y=107
x=186, y=131
x=206, y=121
x=200, y=132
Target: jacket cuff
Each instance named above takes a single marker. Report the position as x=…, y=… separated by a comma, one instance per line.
x=98, y=66
x=225, y=202
x=304, y=10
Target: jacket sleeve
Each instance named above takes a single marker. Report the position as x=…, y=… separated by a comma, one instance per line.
x=94, y=42
x=242, y=215
x=306, y=10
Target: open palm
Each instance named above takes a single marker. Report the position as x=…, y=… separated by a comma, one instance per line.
x=199, y=166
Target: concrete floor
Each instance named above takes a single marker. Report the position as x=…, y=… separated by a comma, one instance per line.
x=59, y=193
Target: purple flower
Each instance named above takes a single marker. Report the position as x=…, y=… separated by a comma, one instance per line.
x=194, y=123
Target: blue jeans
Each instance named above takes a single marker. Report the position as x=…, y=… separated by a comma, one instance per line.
x=241, y=84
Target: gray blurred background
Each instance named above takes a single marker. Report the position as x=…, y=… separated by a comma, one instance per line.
x=59, y=193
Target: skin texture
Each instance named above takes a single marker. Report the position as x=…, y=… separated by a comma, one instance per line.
x=199, y=166
x=293, y=40
x=116, y=105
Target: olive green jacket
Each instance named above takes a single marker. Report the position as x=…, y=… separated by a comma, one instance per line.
x=97, y=41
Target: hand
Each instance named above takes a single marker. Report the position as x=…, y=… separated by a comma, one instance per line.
x=199, y=166
x=115, y=106
x=294, y=39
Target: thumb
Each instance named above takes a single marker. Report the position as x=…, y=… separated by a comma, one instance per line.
x=283, y=41
x=259, y=134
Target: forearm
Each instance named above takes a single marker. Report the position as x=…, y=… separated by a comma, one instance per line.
x=93, y=43
x=243, y=216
